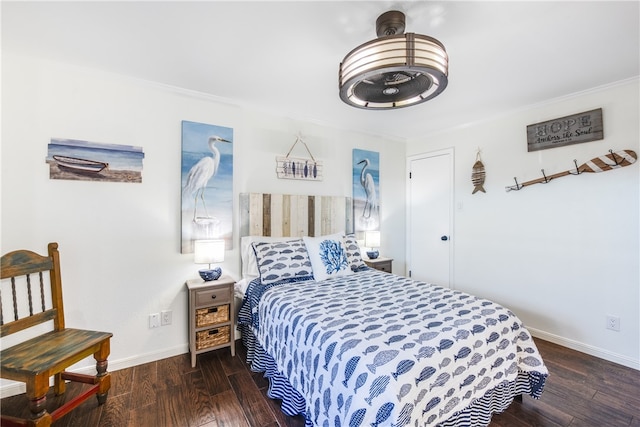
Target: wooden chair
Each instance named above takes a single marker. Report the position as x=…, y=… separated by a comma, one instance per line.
x=35, y=360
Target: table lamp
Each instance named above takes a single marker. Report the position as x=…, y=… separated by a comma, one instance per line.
x=372, y=241
x=209, y=252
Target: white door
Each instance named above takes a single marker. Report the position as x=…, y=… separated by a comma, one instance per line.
x=430, y=217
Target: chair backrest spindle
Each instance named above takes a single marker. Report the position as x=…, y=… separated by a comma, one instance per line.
x=44, y=308
x=15, y=298
x=29, y=297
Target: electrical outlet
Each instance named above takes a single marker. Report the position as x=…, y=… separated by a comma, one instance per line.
x=165, y=317
x=154, y=320
x=613, y=323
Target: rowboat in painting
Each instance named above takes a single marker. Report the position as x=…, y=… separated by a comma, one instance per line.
x=80, y=165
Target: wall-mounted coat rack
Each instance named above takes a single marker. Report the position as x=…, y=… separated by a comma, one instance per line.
x=598, y=164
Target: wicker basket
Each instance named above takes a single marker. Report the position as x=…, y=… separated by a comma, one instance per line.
x=212, y=315
x=212, y=337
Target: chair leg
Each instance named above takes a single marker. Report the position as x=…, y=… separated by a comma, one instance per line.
x=37, y=394
x=103, y=377
x=59, y=384
x=37, y=406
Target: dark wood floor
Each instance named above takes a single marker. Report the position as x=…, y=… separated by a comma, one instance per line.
x=221, y=391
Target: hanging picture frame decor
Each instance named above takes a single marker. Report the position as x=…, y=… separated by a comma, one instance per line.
x=308, y=169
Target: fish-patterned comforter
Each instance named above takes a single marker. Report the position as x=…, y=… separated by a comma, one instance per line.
x=378, y=349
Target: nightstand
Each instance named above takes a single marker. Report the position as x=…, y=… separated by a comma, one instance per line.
x=380, y=263
x=211, y=316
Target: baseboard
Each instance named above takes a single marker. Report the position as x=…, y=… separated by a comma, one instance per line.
x=140, y=359
x=12, y=388
x=586, y=348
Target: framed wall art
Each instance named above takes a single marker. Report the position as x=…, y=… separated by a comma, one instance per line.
x=207, y=184
x=79, y=160
x=366, y=190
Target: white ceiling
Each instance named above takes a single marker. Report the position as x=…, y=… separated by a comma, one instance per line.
x=283, y=56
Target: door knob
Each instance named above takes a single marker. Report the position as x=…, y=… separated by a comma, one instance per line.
x=444, y=238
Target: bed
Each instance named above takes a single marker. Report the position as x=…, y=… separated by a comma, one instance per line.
x=347, y=345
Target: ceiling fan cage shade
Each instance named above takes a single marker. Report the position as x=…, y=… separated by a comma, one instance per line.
x=394, y=71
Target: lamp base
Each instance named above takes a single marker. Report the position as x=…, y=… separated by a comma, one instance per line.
x=372, y=254
x=209, y=275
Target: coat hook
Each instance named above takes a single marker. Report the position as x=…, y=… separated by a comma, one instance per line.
x=515, y=187
x=518, y=186
x=615, y=159
x=546, y=180
x=577, y=172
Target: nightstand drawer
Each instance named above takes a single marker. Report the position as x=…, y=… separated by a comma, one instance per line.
x=212, y=315
x=384, y=266
x=213, y=296
x=380, y=264
x=213, y=337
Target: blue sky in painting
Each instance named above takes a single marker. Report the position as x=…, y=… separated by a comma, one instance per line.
x=100, y=145
x=196, y=135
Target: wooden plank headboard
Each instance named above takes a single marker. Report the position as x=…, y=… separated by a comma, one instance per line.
x=266, y=214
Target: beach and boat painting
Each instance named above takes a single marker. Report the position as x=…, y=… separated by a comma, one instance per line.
x=78, y=160
x=366, y=190
x=207, y=184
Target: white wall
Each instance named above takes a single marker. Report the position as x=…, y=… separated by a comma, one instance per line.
x=561, y=255
x=120, y=243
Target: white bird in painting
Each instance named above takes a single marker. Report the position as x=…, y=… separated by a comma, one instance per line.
x=366, y=180
x=201, y=173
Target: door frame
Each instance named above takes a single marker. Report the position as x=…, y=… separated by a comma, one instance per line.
x=451, y=153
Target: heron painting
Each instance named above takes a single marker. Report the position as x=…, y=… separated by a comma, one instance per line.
x=207, y=184
x=366, y=184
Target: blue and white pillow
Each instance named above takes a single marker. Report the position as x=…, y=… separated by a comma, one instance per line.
x=282, y=261
x=354, y=256
x=328, y=256
x=248, y=254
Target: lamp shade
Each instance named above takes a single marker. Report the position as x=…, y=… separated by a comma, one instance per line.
x=208, y=251
x=372, y=239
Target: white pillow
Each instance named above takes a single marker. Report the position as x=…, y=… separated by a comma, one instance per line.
x=248, y=256
x=328, y=256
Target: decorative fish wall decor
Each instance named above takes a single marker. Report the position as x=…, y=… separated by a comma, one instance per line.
x=478, y=175
x=308, y=169
x=604, y=163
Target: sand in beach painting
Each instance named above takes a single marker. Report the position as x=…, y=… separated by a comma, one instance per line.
x=78, y=160
x=207, y=184
x=366, y=189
